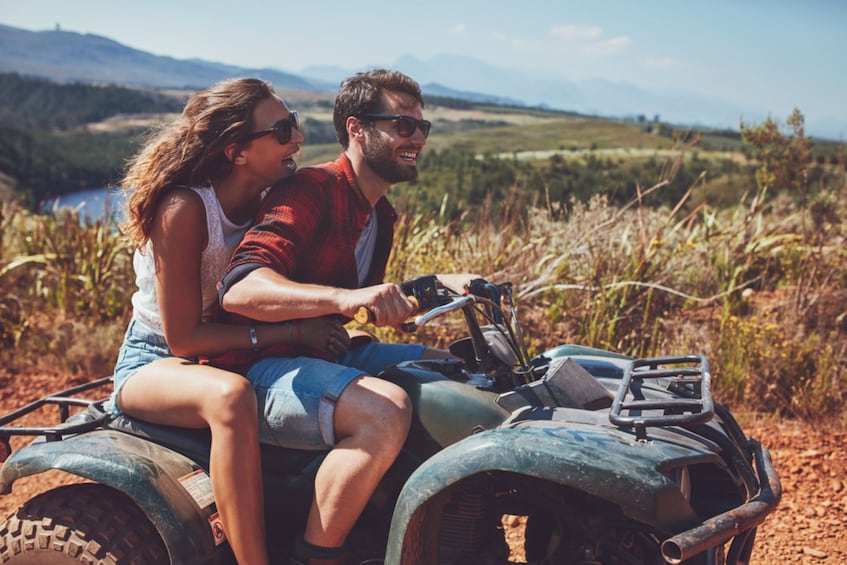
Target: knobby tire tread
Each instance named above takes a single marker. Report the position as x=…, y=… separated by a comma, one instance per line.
x=82, y=523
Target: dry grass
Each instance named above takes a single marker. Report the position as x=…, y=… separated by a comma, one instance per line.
x=758, y=287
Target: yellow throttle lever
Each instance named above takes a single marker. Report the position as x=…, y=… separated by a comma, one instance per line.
x=365, y=316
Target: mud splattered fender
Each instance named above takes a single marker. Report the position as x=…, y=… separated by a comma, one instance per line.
x=592, y=461
x=147, y=472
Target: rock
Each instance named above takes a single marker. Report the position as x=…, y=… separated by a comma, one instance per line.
x=814, y=553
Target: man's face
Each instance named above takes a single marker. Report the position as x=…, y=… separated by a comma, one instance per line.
x=391, y=156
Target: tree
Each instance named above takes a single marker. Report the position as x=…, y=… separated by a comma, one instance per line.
x=784, y=159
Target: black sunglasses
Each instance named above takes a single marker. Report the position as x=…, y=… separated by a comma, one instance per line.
x=283, y=130
x=405, y=125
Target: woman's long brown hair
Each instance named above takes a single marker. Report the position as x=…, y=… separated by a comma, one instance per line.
x=190, y=150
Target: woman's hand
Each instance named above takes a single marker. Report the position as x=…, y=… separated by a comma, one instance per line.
x=324, y=334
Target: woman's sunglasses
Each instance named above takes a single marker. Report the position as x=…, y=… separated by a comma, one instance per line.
x=405, y=125
x=283, y=130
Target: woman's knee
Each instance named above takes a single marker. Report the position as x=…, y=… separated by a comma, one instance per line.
x=232, y=400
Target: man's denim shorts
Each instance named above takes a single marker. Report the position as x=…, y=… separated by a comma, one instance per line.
x=296, y=395
x=141, y=346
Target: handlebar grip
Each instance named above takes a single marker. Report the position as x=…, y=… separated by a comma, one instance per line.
x=364, y=316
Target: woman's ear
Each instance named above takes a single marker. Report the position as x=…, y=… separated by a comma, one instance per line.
x=233, y=154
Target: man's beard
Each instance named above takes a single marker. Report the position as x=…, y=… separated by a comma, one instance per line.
x=380, y=157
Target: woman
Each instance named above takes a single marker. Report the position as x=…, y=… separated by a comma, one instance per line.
x=194, y=190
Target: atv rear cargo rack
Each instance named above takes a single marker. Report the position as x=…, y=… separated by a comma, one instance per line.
x=64, y=400
x=689, y=379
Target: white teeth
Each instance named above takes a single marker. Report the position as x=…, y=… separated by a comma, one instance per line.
x=408, y=156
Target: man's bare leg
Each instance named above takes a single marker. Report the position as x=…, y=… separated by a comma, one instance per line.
x=372, y=419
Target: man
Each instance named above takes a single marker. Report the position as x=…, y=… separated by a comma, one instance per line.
x=320, y=248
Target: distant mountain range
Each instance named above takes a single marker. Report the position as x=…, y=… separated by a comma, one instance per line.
x=68, y=56
x=73, y=57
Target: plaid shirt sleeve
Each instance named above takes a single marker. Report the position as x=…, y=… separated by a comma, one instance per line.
x=307, y=231
x=275, y=241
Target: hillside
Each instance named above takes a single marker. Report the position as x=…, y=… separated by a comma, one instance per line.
x=60, y=137
x=65, y=137
x=33, y=103
x=46, y=145
x=66, y=56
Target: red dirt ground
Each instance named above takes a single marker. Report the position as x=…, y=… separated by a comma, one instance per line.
x=809, y=527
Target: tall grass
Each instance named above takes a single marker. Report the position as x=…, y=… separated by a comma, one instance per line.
x=759, y=287
x=66, y=286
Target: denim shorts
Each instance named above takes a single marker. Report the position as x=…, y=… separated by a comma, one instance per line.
x=297, y=395
x=141, y=346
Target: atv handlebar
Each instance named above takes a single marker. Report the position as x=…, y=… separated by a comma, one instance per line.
x=481, y=298
x=456, y=303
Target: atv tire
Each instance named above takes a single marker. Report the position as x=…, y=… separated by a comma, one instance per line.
x=83, y=523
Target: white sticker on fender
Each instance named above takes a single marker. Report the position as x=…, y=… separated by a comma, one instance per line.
x=217, y=528
x=199, y=487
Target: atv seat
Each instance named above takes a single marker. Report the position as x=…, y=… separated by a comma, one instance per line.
x=195, y=444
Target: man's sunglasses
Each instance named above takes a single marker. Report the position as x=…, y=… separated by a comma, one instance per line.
x=405, y=125
x=282, y=129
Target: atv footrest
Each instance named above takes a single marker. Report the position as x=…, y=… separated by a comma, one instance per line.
x=689, y=380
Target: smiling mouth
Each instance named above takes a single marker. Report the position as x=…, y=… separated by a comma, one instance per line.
x=409, y=157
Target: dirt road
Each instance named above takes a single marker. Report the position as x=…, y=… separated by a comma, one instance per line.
x=809, y=527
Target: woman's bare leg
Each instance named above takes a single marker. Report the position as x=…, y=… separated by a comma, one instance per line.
x=175, y=392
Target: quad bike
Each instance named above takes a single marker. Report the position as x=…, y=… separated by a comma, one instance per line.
x=605, y=459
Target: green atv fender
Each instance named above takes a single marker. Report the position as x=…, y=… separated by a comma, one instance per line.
x=146, y=472
x=600, y=462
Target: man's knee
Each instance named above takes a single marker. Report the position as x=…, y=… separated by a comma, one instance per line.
x=373, y=406
x=397, y=410
x=392, y=401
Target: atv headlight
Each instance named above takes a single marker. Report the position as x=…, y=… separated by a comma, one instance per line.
x=500, y=347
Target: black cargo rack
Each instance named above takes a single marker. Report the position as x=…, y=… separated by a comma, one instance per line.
x=690, y=381
x=64, y=401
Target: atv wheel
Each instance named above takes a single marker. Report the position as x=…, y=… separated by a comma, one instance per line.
x=83, y=523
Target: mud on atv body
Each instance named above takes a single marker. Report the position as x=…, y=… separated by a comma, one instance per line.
x=609, y=459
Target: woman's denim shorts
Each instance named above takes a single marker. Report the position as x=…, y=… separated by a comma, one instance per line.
x=141, y=346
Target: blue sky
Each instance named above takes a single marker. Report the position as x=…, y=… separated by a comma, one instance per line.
x=774, y=55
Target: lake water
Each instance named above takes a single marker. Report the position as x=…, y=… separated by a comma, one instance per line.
x=92, y=204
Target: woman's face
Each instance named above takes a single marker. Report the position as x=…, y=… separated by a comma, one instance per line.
x=268, y=159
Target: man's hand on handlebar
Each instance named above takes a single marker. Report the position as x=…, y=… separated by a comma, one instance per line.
x=383, y=305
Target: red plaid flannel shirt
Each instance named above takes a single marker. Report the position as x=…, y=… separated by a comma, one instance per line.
x=307, y=230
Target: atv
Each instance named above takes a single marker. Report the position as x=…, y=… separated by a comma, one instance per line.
x=590, y=455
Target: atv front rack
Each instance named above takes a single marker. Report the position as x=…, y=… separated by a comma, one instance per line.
x=64, y=400
x=689, y=380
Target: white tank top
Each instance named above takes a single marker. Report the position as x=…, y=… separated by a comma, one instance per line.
x=223, y=238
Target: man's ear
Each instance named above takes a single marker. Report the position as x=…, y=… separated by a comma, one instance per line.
x=355, y=130
x=233, y=154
